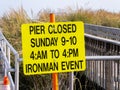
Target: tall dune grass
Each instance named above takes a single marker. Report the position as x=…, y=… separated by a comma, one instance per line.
x=11, y=24
x=99, y=17
x=11, y=21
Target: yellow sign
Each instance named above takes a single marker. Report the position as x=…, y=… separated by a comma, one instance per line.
x=53, y=47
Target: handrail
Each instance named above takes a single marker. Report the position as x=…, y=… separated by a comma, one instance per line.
x=6, y=49
x=106, y=58
x=102, y=39
x=8, y=44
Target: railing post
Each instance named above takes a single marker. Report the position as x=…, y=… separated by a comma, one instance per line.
x=4, y=52
x=71, y=80
x=8, y=54
x=16, y=72
x=118, y=77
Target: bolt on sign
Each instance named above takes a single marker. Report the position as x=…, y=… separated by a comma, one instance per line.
x=53, y=47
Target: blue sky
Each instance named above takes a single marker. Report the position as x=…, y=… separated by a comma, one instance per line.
x=37, y=5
